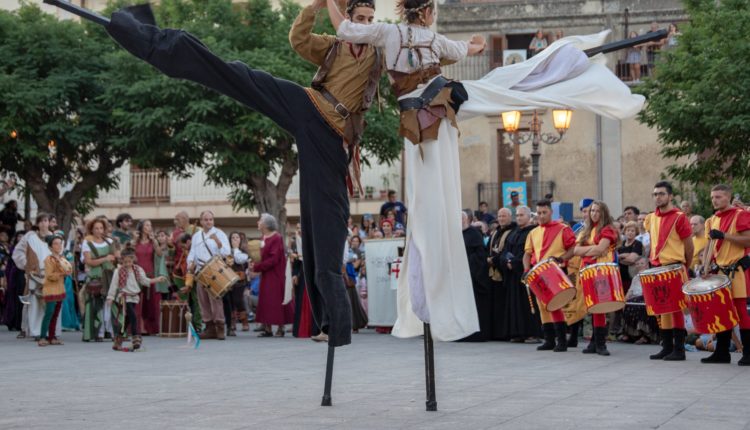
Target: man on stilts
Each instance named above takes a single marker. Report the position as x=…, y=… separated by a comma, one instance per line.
x=326, y=121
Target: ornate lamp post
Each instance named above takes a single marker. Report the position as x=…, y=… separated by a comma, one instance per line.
x=511, y=122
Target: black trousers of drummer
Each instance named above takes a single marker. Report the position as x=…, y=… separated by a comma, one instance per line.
x=324, y=202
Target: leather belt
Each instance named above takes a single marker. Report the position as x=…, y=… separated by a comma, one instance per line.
x=337, y=105
x=424, y=99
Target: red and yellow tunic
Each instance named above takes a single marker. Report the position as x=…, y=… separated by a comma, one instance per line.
x=549, y=240
x=668, y=230
x=608, y=232
x=699, y=244
x=725, y=253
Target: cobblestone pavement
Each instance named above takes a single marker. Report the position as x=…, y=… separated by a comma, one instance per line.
x=273, y=383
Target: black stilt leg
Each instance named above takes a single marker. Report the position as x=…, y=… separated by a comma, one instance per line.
x=329, y=376
x=429, y=369
x=80, y=11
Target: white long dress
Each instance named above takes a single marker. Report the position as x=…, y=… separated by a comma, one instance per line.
x=437, y=286
x=36, y=307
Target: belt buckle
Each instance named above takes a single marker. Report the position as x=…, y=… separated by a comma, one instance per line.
x=342, y=110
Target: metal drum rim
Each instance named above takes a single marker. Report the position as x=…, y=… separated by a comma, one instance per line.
x=661, y=269
x=546, y=260
x=595, y=265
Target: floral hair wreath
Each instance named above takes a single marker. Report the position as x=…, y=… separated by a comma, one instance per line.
x=419, y=8
x=350, y=8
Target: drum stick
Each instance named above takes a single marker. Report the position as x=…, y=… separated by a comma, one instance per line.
x=707, y=252
x=531, y=301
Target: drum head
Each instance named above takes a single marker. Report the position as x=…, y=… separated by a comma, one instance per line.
x=606, y=307
x=561, y=299
x=705, y=285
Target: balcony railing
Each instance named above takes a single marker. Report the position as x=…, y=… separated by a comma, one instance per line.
x=148, y=186
x=471, y=67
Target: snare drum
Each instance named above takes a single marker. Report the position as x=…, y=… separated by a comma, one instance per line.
x=662, y=289
x=602, y=288
x=710, y=302
x=550, y=284
x=172, y=320
x=217, y=277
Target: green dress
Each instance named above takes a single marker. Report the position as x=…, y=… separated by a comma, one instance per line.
x=93, y=316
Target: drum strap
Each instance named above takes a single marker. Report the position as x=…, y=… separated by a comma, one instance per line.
x=203, y=236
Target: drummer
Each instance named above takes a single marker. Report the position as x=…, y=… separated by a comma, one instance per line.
x=207, y=243
x=596, y=244
x=729, y=230
x=575, y=311
x=671, y=243
x=551, y=239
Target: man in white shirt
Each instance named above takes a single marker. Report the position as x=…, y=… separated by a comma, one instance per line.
x=209, y=242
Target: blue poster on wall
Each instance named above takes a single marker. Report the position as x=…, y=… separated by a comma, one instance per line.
x=514, y=187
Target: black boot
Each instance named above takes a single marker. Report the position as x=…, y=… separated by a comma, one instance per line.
x=573, y=339
x=600, y=334
x=549, y=338
x=667, y=344
x=591, y=347
x=562, y=344
x=679, y=346
x=721, y=353
x=745, y=337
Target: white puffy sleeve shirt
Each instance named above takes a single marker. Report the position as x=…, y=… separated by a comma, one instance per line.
x=388, y=37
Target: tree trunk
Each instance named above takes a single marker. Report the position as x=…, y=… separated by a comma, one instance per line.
x=271, y=198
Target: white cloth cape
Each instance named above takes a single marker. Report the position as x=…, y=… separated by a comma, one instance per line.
x=437, y=286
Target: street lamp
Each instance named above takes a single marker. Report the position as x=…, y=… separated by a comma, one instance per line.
x=511, y=123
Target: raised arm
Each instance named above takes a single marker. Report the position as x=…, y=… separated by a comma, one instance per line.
x=310, y=46
x=334, y=13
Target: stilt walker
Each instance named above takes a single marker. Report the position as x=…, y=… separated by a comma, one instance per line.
x=437, y=287
x=326, y=120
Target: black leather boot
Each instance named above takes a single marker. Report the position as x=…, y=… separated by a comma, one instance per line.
x=667, y=344
x=679, y=346
x=573, y=339
x=600, y=334
x=562, y=343
x=591, y=347
x=549, y=337
x=745, y=337
x=721, y=353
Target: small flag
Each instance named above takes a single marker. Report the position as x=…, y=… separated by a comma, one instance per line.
x=193, y=337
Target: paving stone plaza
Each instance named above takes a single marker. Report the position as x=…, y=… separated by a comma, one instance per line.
x=252, y=383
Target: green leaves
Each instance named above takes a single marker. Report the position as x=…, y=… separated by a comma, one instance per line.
x=699, y=100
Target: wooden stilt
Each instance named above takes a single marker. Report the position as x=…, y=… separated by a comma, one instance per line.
x=429, y=369
x=329, y=377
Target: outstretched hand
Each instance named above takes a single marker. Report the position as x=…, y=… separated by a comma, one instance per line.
x=477, y=43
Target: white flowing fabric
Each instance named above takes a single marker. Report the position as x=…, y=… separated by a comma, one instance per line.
x=437, y=286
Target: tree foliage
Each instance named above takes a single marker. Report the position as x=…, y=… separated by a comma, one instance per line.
x=70, y=83
x=699, y=99
x=60, y=131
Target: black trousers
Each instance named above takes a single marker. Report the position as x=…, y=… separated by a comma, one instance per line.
x=131, y=320
x=324, y=202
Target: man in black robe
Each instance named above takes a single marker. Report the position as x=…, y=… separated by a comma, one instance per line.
x=480, y=281
x=520, y=322
x=497, y=261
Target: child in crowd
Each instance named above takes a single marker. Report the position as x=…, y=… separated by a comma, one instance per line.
x=124, y=294
x=56, y=268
